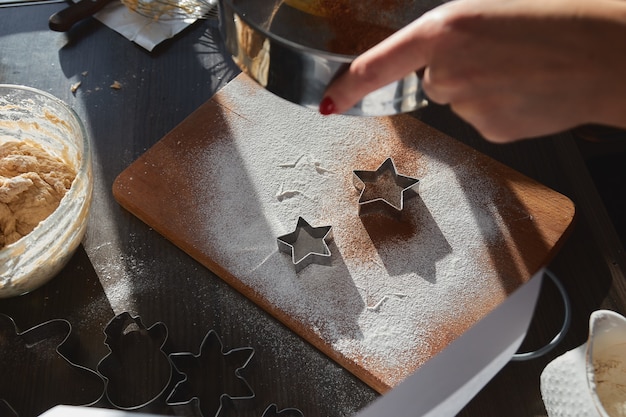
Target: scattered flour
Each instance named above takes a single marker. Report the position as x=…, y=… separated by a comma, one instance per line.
x=397, y=292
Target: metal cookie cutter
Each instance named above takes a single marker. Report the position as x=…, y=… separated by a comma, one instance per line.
x=307, y=244
x=211, y=375
x=383, y=189
x=45, y=346
x=6, y=410
x=137, y=370
x=272, y=411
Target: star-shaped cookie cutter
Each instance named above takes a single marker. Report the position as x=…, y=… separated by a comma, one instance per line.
x=383, y=189
x=307, y=244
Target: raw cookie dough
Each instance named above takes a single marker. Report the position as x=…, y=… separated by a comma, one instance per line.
x=32, y=184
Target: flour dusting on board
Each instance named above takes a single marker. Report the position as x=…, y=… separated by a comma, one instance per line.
x=398, y=291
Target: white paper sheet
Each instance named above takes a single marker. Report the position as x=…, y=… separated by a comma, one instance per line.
x=144, y=31
x=447, y=382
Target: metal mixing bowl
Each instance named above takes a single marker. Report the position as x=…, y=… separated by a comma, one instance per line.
x=295, y=54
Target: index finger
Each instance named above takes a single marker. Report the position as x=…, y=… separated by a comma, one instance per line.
x=392, y=59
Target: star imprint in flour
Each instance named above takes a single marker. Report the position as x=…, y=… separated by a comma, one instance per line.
x=307, y=244
x=383, y=189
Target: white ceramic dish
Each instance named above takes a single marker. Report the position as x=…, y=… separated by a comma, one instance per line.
x=589, y=380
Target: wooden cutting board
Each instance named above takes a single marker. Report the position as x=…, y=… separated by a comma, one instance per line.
x=239, y=171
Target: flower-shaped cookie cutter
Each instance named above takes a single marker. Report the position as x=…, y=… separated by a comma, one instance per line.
x=273, y=411
x=208, y=376
x=307, y=244
x=383, y=189
x=230, y=409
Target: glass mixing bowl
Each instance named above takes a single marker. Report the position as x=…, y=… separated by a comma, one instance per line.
x=29, y=114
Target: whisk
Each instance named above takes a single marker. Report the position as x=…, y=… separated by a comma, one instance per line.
x=198, y=9
x=173, y=9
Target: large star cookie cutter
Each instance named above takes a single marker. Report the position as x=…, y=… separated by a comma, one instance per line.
x=383, y=189
x=307, y=244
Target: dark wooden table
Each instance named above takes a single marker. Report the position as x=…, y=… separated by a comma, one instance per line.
x=124, y=266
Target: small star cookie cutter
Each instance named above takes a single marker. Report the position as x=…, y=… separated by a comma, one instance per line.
x=307, y=245
x=383, y=189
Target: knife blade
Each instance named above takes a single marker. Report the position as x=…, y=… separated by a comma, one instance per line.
x=64, y=19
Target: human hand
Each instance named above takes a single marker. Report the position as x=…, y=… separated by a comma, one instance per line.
x=511, y=68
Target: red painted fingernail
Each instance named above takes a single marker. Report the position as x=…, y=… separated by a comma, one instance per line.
x=327, y=106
